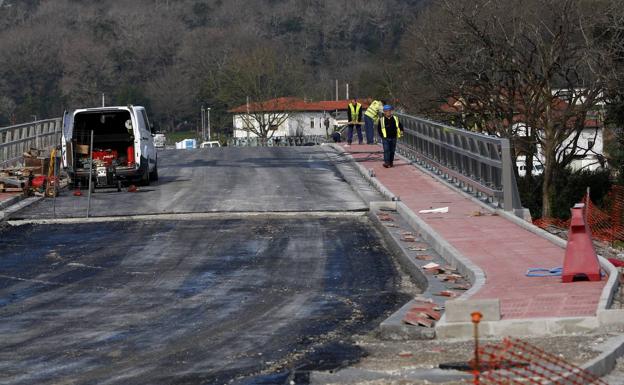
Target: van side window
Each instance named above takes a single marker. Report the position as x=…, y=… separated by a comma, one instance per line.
x=147, y=124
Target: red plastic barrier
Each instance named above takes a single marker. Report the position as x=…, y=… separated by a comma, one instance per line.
x=580, y=259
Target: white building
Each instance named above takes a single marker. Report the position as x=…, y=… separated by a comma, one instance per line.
x=296, y=117
x=589, y=149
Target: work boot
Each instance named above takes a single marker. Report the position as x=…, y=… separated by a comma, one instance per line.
x=386, y=165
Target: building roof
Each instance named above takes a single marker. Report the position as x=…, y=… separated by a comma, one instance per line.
x=455, y=106
x=290, y=104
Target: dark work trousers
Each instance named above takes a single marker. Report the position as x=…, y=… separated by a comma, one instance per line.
x=358, y=127
x=389, y=146
x=370, y=133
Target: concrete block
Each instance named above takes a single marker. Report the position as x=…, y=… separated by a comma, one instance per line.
x=458, y=330
x=459, y=310
x=388, y=205
x=611, y=317
x=518, y=327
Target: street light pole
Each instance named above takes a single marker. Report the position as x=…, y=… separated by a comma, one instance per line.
x=203, y=119
x=208, y=109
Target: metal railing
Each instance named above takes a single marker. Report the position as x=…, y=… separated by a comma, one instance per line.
x=479, y=164
x=278, y=141
x=15, y=140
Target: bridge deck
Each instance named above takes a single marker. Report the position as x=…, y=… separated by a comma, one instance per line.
x=502, y=249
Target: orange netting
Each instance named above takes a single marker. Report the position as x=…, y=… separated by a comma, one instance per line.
x=606, y=223
x=513, y=361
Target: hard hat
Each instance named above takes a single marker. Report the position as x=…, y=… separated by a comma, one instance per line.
x=387, y=107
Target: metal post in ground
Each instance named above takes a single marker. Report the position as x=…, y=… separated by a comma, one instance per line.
x=90, y=174
x=55, y=185
x=476, y=318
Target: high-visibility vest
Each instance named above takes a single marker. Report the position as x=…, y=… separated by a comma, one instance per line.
x=355, y=111
x=383, y=126
x=373, y=110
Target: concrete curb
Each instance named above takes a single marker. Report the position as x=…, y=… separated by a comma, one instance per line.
x=475, y=275
x=16, y=205
x=11, y=201
x=194, y=216
x=611, y=350
x=393, y=327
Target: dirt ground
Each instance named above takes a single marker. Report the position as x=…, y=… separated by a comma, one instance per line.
x=392, y=357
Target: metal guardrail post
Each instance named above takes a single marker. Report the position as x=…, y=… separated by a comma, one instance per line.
x=507, y=175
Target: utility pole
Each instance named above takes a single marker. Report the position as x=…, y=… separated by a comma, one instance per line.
x=247, y=123
x=336, y=89
x=103, y=100
x=208, y=123
x=347, y=91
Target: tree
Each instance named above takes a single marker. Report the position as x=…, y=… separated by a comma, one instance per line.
x=88, y=72
x=542, y=63
x=261, y=78
x=171, y=97
x=7, y=110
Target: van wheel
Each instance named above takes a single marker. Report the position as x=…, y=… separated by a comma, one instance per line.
x=154, y=174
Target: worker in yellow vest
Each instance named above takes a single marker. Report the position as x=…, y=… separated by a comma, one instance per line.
x=371, y=117
x=389, y=129
x=354, y=116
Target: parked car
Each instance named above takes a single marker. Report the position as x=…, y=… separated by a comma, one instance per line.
x=123, y=146
x=210, y=144
x=160, y=140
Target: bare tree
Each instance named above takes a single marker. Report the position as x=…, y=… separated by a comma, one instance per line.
x=171, y=96
x=262, y=78
x=542, y=63
x=7, y=109
x=88, y=72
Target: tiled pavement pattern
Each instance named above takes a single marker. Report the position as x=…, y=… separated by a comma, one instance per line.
x=503, y=250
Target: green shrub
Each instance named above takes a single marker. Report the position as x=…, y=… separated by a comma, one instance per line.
x=570, y=186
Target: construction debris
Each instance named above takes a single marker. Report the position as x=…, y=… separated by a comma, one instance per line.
x=36, y=177
x=437, y=210
x=423, y=313
x=446, y=293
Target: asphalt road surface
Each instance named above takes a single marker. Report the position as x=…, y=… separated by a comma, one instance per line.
x=252, y=300
x=221, y=179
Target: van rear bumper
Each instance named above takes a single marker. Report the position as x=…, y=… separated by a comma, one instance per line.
x=121, y=172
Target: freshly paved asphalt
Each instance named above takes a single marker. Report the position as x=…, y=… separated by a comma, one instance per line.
x=212, y=301
x=221, y=179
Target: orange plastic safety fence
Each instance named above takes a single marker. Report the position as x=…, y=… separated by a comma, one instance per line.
x=606, y=223
x=513, y=361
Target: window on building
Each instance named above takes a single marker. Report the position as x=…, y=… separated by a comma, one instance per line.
x=311, y=122
x=273, y=127
x=590, y=144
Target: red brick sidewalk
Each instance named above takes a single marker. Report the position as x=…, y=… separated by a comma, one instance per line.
x=502, y=249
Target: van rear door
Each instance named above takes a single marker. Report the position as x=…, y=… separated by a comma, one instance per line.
x=67, y=148
x=147, y=140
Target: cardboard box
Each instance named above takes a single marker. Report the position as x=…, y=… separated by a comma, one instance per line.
x=82, y=149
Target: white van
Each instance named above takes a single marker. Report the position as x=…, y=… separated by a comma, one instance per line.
x=123, y=145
